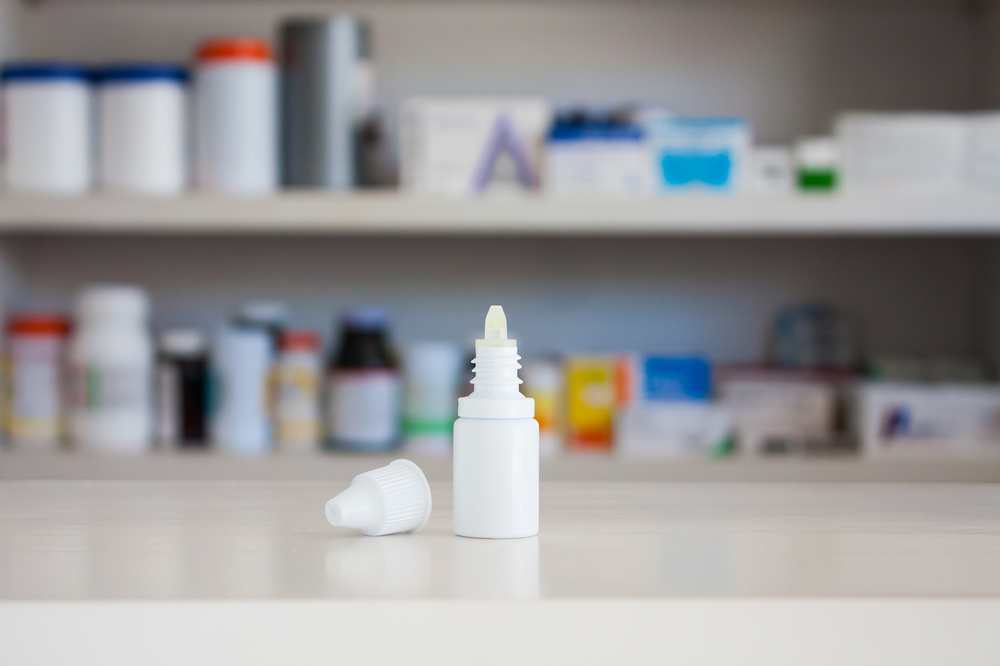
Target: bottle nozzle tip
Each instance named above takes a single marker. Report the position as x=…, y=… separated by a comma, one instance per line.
x=496, y=323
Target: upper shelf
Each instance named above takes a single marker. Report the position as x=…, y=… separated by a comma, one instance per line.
x=392, y=213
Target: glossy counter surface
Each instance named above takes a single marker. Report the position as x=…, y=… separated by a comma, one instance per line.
x=922, y=560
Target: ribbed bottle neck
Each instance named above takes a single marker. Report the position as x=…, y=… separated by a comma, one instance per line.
x=496, y=373
x=496, y=386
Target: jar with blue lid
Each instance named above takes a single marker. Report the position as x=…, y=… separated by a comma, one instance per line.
x=47, y=124
x=142, y=128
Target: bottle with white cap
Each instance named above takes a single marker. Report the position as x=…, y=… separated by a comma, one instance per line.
x=182, y=389
x=496, y=444
x=111, y=365
x=241, y=418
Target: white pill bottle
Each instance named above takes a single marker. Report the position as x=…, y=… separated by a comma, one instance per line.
x=45, y=118
x=111, y=366
x=142, y=118
x=236, y=117
x=496, y=445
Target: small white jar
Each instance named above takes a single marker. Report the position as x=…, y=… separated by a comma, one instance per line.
x=236, y=117
x=142, y=113
x=46, y=119
x=111, y=366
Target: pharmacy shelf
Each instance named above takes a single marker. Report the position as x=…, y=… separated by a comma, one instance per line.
x=215, y=466
x=398, y=214
x=203, y=572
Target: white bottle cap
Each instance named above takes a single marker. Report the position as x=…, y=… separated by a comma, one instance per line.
x=387, y=500
x=183, y=342
x=102, y=301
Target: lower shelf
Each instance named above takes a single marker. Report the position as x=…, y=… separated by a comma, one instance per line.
x=217, y=466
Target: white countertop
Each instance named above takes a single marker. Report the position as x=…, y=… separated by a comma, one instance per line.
x=705, y=572
x=264, y=540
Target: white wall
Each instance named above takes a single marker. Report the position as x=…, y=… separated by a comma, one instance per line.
x=707, y=295
x=787, y=66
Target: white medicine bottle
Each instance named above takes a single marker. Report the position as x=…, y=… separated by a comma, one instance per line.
x=496, y=444
x=111, y=365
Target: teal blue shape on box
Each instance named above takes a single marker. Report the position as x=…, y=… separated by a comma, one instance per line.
x=680, y=169
x=675, y=378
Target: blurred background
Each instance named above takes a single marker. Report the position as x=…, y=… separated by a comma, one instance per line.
x=747, y=231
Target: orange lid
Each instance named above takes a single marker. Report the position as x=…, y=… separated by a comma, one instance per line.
x=300, y=339
x=235, y=48
x=38, y=324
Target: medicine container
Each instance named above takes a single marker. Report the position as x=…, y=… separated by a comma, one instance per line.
x=110, y=370
x=182, y=389
x=431, y=372
x=142, y=128
x=236, y=116
x=364, y=388
x=46, y=125
x=241, y=415
x=298, y=382
x=34, y=407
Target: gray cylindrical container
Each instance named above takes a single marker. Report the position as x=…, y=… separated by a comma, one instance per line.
x=320, y=100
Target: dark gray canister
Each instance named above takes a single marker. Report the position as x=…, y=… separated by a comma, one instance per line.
x=319, y=100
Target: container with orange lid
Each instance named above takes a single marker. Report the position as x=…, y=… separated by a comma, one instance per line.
x=297, y=380
x=34, y=362
x=236, y=116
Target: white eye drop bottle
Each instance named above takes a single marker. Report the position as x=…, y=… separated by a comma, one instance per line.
x=496, y=444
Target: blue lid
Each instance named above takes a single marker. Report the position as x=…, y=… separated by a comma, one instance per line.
x=595, y=132
x=46, y=70
x=138, y=72
x=366, y=318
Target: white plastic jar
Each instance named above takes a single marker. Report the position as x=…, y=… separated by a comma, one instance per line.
x=142, y=113
x=46, y=120
x=236, y=117
x=111, y=366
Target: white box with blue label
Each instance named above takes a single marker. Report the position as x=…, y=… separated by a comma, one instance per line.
x=935, y=420
x=667, y=411
x=584, y=156
x=700, y=154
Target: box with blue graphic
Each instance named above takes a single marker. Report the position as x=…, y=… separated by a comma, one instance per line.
x=668, y=378
x=597, y=153
x=709, y=154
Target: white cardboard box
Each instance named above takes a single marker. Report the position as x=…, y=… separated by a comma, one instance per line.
x=927, y=419
x=601, y=167
x=670, y=429
x=766, y=410
x=463, y=146
x=903, y=153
